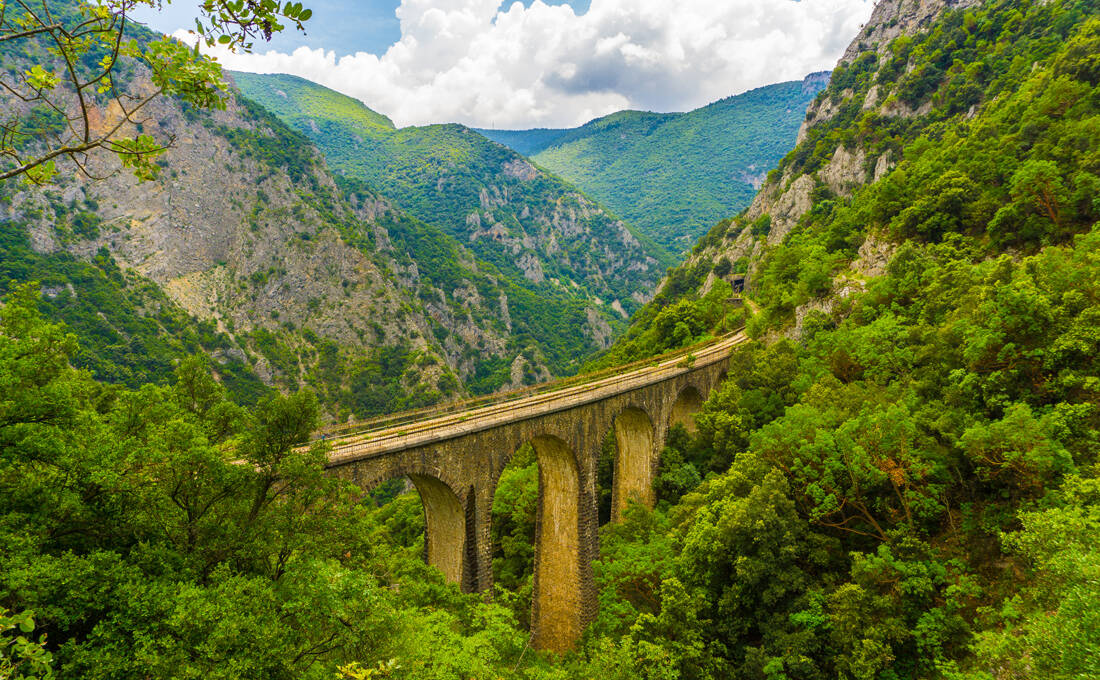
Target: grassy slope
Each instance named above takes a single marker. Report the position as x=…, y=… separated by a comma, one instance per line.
x=672, y=175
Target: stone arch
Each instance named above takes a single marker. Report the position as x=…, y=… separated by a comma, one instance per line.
x=446, y=529
x=633, y=464
x=688, y=402
x=556, y=619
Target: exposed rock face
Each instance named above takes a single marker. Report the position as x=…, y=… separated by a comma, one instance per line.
x=884, y=165
x=531, y=267
x=599, y=328
x=873, y=257
x=521, y=170
x=784, y=207
x=816, y=81
x=845, y=171
x=241, y=242
x=787, y=197
x=893, y=18
x=822, y=108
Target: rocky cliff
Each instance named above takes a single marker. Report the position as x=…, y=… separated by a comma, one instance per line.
x=827, y=164
x=314, y=283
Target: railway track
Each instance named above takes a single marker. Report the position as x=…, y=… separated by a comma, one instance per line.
x=355, y=441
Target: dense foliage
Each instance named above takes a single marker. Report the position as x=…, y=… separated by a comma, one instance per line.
x=673, y=174
x=166, y=532
x=899, y=481
x=906, y=487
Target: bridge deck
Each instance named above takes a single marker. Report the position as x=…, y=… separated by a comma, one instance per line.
x=360, y=445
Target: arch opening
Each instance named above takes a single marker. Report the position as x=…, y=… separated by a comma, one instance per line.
x=634, y=453
x=512, y=532
x=687, y=404
x=557, y=596
x=444, y=527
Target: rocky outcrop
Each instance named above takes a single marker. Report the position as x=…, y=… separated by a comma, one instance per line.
x=893, y=18
x=521, y=170
x=845, y=171
x=236, y=240
x=784, y=207
x=786, y=197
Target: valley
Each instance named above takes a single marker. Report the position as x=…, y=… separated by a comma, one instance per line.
x=673, y=175
x=804, y=383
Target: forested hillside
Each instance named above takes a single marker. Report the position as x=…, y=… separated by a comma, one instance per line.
x=900, y=477
x=527, y=142
x=674, y=174
x=530, y=225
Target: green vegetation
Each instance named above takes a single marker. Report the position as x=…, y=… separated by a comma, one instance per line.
x=66, y=57
x=438, y=176
x=144, y=547
x=901, y=482
x=448, y=175
x=672, y=174
x=526, y=142
x=548, y=323
x=674, y=320
x=908, y=488
x=130, y=332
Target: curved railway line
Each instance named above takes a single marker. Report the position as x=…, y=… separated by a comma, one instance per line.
x=379, y=436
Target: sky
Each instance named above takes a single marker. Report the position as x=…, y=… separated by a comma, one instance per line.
x=545, y=63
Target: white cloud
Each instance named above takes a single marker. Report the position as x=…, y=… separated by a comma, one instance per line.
x=484, y=64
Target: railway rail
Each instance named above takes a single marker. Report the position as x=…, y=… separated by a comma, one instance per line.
x=354, y=441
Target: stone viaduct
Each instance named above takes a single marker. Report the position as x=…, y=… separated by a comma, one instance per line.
x=455, y=461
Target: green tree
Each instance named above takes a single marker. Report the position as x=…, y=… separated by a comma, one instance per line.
x=1050, y=628
x=73, y=68
x=22, y=658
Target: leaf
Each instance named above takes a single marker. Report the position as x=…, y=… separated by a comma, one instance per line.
x=41, y=79
x=41, y=174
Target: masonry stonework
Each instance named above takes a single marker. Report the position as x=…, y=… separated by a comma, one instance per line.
x=456, y=474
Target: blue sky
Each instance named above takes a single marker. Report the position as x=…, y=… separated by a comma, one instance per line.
x=561, y=63
x=344, y=26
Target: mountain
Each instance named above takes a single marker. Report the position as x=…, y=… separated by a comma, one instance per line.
x=900, y=476
x=248, y=250
x=530, y=225
x=672, y=175
x=527, y=142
